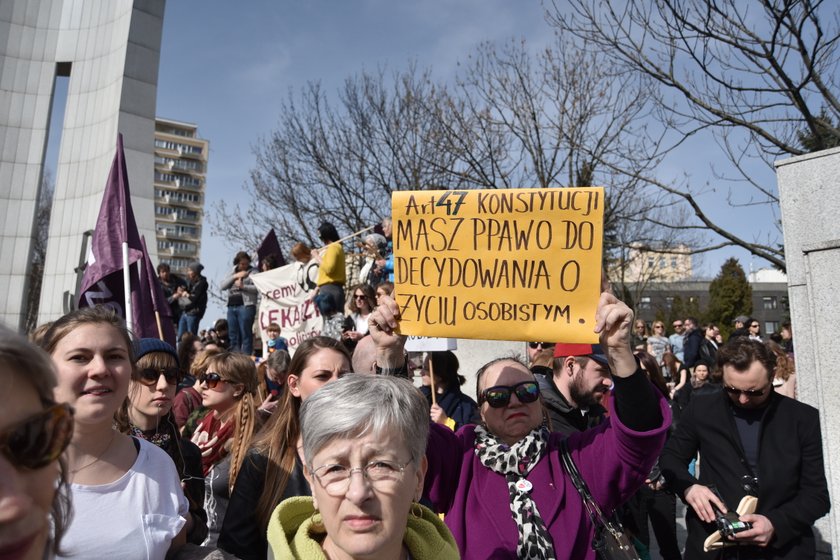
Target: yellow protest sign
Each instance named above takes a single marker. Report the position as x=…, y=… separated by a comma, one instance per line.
x=512, y=264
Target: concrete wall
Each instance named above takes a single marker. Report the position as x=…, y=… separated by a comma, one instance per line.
x=113, y=51
x=810, y=204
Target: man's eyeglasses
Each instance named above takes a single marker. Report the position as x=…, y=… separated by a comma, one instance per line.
x=499, y=396
x=677, y=325
x=212, y=380
x=382, y=474
x=747, y=392
x=40, y=439
x=535, y=345
x=150, y=376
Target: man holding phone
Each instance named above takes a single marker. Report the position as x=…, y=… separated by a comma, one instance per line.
x=752, y=441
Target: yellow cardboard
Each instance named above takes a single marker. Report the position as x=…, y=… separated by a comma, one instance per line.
x=505, y=264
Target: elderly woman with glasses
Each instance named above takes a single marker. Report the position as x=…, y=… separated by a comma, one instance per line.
x=364, y=441
x=34, y=431
x=512, y=462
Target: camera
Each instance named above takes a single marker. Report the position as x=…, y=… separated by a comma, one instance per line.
x=728, y=523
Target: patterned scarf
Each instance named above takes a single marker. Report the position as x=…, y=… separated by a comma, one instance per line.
x=161, y=439
x=211, y=436
x=514, y=463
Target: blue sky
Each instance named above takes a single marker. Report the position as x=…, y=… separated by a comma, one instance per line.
x=225, y=66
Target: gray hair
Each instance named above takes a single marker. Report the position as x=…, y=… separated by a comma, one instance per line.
x=357, y=405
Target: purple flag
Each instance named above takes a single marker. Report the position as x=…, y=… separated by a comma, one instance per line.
x=147, y=300
x=270, y=246
x=102, y=283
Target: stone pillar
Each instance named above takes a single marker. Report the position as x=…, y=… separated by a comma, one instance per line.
x=810, y=204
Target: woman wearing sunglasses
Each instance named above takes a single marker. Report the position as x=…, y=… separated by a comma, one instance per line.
x=360, y=307
x=34, y=431
x=115, y=515
x=229, y=391
x=273, y=470
x=364, y=441
x=147, y=414
x=512, y=463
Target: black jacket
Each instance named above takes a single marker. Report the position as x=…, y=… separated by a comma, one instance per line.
x=458, y=406
x=198, y=297
x=241, y=534
x=691, y=348
x=792, y=488
x=565, y=418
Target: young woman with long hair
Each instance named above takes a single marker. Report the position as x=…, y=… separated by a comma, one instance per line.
x=110, y=474
x=229, y=391
x=147, y=414
x=273, y=470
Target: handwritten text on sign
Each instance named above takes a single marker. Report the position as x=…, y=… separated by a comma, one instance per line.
x=521, y=264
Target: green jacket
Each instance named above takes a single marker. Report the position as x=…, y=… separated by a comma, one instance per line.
x=291, y=534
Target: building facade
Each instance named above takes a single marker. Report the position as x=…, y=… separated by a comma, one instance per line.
x=770, y=302
x=180, y=176
x=109, y=51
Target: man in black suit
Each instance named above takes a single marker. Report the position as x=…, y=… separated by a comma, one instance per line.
x=751, y=441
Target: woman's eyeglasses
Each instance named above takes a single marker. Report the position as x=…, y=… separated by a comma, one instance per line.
x=357, y=296
x=40, y=439
x=381, y=474
x=747, y=392
x=150, y=376
x=499, y=396
x=212, y=380
x=535, y=345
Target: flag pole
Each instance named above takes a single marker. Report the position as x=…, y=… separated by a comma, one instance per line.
x=160, y=328
x=127, y=288
x=343, y=239
x=432, y=379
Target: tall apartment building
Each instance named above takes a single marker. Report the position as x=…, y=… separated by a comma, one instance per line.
x=180, y=175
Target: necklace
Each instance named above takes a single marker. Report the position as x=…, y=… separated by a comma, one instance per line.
x=99, y=456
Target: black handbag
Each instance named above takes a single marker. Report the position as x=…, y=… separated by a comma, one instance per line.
x=610, y=541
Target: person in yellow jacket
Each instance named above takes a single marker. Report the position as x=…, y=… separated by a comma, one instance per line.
x=364, y=444
x=329, y=295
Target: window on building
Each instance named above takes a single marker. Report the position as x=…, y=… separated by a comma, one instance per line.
x=769, y=302
x=770, y=327
x=673, y=262
x=651, y=262
x=644, y=302
x=669, y=301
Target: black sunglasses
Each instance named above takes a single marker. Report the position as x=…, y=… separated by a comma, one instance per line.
x=499, y=396
x=150, y=376
x=40, y=439
x=535, y=345
x=747, y=392
x=211, y=379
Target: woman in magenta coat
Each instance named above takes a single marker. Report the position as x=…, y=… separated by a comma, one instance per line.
x=502, y=486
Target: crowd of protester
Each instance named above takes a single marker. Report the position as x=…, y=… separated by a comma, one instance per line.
x=143, y=450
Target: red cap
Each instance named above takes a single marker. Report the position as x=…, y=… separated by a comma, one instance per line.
x=594, y=351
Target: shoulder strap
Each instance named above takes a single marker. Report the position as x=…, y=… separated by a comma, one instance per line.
x=595, y=513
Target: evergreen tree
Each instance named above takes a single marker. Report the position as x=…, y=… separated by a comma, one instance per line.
x=730, y=295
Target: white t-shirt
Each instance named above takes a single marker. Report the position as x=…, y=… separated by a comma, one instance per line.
x=136, y=516
x=361, y=322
